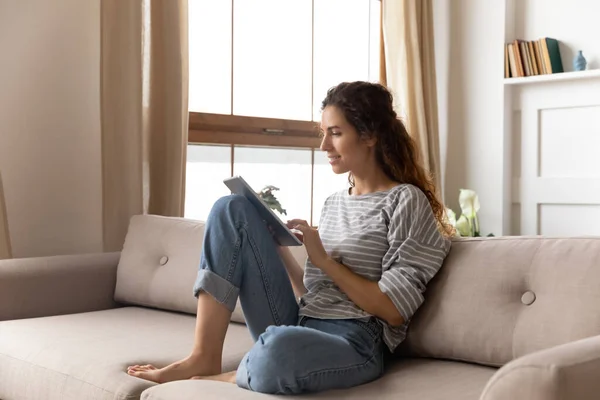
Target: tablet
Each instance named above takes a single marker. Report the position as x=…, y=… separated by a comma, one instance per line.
x=283, y=235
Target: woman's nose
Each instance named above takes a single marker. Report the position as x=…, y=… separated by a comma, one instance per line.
x=325, y=145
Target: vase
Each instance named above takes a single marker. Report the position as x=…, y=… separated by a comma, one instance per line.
x=579, y=63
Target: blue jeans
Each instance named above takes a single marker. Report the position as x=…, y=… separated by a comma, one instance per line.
x=290, y=355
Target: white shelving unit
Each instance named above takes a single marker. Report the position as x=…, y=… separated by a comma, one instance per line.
x=565, y=76
x=551, y=125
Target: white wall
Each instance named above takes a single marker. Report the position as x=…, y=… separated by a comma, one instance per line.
x=50, y=125
x=469, y=36
x=441, y=24
x=470, y=68
x=573, y=23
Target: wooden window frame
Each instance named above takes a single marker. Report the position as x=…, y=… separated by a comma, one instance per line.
x=252, y=131
x=235, y=130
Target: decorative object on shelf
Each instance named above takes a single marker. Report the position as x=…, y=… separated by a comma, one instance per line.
x=266, y=194
x=468, y=223
x=579, y=62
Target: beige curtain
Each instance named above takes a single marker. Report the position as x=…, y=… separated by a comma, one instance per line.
x=5, y=247
x=409, y=71
x=144, y=111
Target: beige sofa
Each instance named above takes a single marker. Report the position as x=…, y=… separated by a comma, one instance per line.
x=505, y=319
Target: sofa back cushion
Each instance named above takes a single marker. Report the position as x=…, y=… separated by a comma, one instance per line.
x=159, y=263
x=496, y=299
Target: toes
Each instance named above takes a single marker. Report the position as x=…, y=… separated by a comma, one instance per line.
x=147, y=367
x=147, y=375
x=138, y=374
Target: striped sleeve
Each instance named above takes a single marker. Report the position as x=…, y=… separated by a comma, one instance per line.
x=416, y=253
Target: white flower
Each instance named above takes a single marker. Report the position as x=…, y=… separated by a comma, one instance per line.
x=451, y=217
x=463, y=226
x=469, y=202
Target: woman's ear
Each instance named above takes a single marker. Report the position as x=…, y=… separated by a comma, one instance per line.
x=370, y=140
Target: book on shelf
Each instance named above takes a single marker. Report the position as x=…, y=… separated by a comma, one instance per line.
x=530, y=58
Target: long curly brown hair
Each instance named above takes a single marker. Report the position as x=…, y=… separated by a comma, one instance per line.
x=368, y=107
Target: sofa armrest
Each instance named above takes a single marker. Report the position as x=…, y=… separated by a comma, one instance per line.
x=568, y=371
x=45, y=286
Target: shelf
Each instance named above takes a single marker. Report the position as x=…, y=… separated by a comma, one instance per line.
x=563, y=76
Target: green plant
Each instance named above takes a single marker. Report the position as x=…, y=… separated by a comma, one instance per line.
x=468, y=223
x=266, y=194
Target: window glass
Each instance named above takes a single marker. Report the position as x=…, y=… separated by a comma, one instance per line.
x=341, y=45
x=272, y=46
x=207, y=166
x=289, y=170
x=210, y=56
x=326, y=183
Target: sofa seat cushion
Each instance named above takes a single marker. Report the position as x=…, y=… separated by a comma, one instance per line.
x=85, y=356
x=404, y=379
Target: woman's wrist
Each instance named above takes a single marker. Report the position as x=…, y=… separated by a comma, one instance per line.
x=325, y=264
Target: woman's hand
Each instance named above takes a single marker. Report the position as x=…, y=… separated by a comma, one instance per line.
x=312, y=241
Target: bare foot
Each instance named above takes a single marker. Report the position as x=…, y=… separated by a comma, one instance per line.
x=228, y=377
x=184, y=369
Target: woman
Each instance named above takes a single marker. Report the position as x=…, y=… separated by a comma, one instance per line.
x=377, y=246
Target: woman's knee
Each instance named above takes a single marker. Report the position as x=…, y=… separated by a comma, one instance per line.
x=271, y=366
x=231, y=202
x=231, y=207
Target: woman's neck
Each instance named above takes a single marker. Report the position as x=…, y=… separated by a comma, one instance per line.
x=371, y=181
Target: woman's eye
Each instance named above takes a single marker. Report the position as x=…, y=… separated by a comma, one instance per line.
x=336, y=133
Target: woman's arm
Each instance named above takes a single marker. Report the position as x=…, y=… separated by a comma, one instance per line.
x=294, y=270
x=364, y=293
x=416, y=252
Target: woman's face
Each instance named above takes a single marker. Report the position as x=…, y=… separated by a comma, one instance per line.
x=346, y=151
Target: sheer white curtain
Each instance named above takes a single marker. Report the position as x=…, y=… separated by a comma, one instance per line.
x=144, y=111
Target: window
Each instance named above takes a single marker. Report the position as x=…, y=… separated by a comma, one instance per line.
x=289, y=170
x=206, y=168
x=210, y=44
x=272, y=48
x=258, y=72
x=303, y=177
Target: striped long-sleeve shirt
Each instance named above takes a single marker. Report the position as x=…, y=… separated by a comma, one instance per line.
x=390, y=237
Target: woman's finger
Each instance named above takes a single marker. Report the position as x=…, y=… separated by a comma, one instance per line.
x=298, y=222
x=300, y=227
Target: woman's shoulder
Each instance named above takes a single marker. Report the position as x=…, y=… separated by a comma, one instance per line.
x=407, y=195
x=333, y=200
x=403, y=194
x=336, y=195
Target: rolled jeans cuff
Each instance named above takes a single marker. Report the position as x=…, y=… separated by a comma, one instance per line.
x=241, y=377
x=221, y=289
